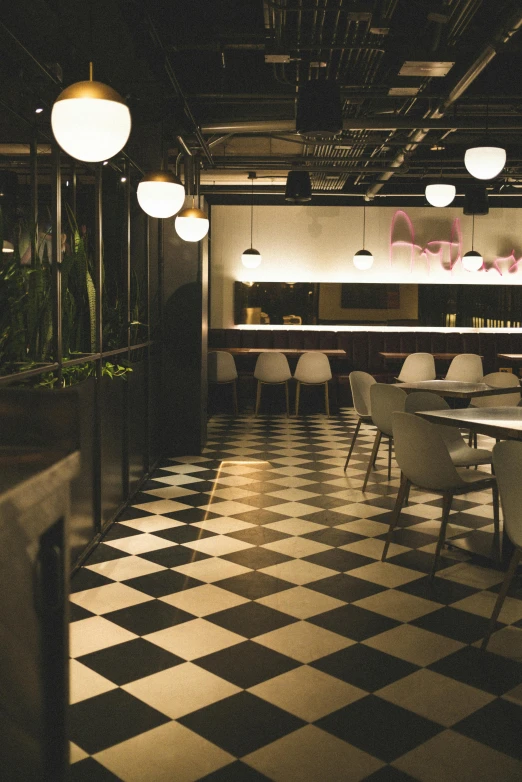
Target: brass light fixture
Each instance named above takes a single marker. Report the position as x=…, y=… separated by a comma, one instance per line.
x=160, y=194
x=363, y=259
x=191, y=224
x=251, y=257
x=90, y=120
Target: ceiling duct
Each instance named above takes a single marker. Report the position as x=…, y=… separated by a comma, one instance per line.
x=475, y=200
x=319, y=114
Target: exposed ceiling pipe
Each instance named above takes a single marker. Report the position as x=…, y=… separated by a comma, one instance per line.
x=389, y=122
x=509, y=25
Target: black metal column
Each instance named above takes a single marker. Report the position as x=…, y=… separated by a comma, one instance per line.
x=98, y=281
x=57, y=260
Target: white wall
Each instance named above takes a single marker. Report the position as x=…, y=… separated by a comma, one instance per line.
x=317, y=243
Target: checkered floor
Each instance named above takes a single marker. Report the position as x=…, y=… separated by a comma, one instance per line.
x=238, y=624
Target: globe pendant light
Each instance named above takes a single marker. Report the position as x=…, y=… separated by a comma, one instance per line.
x=472, y=261
x=440, y=194
x=251, y=258
x=191, y=224
x=160, y=194
x=90, y=121
x=363, y=259
x=485, y=159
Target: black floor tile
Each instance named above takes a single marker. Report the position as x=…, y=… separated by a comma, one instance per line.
x=259, y=516
x=346, y=587
x=235, y=772
x=251, y=619
x=87, y=579
x=254, y=585
x=419, y=560
x=329, y=517
x=499, y=725
x=93, y=726
x=78, y=612
x=132, y=513
x=258, y=535
x=365, y=667
x=124, y=663
x=261, y=500
x=324, y=502
x=242, y=723
x=162, y=583
x=407, y=537
x=394, y=732
x=89, y=770
x=247, y=664
x=354, y=622
x=333, y=536
x=174, y=556
x=190, y=515
x=389, y=774
x=184, y=534
x=441, y=590
x=459, y=625
x=338, y=559
x=483, y=670
x=256, y=558
x=118, y=530
x=104, y=553
x=148, y=617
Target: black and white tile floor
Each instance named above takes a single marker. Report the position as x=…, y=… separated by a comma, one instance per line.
x=237, y=624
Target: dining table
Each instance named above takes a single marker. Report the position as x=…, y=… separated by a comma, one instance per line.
x=337, y=353
x=502, y=423
x=455, y=389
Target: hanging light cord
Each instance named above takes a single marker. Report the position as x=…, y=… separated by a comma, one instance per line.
x=364, y=227
x=473, y=233
x=252, y=216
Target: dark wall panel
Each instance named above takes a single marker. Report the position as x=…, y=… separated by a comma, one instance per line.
x=137, y=424
x=113, y=464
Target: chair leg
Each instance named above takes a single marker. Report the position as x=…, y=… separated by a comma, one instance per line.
x=297, y=395
x=390, y=440
x=354, y=438
x=234, y=393
x=404, y=489
x=373, y=456
x=287, y=400
x=258, y=397
x=496, y=523
x=446, y=507
x=515, y=559
x=326, y=399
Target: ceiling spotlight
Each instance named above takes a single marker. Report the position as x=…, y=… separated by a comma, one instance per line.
x=160, y=194
x=90, y=121
x=298, y=187
x=363, y=259
x=472, y=261
x=105, y=162
x=251, y=258
x=38, y=110
x=440, y=194
x=485, y=159
x=191, y=224
x=123, y=179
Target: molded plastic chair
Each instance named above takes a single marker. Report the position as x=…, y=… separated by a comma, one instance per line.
x=425, y=462
x=360, y=384
x=466, y=367
x=313, y=369
x=272, y=369
x=384, y=400
x=222, y=370
x=461, y=454
x=417, y=366
x=499, y=380
x=507, y=461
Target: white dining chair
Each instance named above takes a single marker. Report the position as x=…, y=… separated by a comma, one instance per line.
x=417, y=366
x=461, y=453
x=425, y=463
x=272, y=369
x=222, y=370
x=507, y=461
x=313, y=369
x=499, y=380
x=360, y=384
x=466, y=367
x=384, y=400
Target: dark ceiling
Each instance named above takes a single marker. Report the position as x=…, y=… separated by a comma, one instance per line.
x=419, y=80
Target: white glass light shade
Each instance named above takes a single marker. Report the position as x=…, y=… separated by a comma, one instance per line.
x=472, y=261
x=7, y=247
x=363, y=260
x=90, y=121
x=440, y=194
x=160, y=194
x=191, y=225
x=485, y=160
x=251, y=258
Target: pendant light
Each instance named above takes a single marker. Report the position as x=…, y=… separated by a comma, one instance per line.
x=486, y=158
x=298, y=188
x=160, y=194
x=191, y=224
x=440, y=194
x=363, y=259
x=251, y=258
x=472, y=261
x=90, y=121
